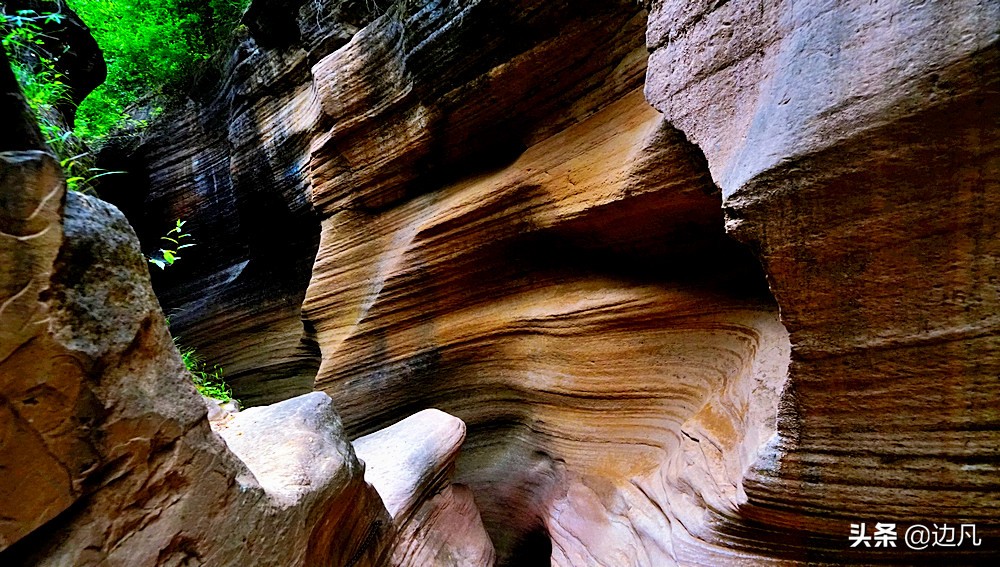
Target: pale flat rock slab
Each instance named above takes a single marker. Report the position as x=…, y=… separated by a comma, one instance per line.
x=410, y=457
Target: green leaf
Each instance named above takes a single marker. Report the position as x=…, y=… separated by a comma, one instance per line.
x=105, y=173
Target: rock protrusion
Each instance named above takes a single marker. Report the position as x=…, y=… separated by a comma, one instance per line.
x=105, y=447
x=411, y=464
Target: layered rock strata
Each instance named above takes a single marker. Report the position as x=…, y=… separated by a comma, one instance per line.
x=510, y=225
x=856, y=145
x=235, y=160
x=589, y=351
x=106, y=454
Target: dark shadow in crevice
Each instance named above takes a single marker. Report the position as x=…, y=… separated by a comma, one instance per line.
x=533, y=549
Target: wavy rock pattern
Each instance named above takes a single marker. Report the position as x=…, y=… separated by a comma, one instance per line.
x=862, y=164
x=238, y=162
x=233, y=163
x=493, y=220
x=106, y=453
x=590, y=352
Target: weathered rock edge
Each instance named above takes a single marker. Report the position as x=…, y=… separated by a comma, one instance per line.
x=105, y=447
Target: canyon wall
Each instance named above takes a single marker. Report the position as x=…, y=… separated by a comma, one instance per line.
x=707, y=282
x=110, y=457
x=856, y=146
x=106, y=454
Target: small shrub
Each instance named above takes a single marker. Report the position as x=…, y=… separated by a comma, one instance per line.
x=208, y=381
x=45, y=90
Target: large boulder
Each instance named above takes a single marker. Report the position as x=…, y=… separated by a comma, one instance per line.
x=411, y=464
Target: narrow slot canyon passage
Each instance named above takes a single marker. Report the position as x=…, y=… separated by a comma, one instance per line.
x=599, y=283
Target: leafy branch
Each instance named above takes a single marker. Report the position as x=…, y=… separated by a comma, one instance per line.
x=174, y=242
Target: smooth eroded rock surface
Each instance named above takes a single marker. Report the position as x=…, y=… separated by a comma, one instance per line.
x=567, y=308
x=244, y=162
x=707, y=310
x=411, y=464
x=106, y=453
x=857, y=146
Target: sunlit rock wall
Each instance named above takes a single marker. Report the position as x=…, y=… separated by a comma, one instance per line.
x=616, y=358
x=856, y=145
x=706, y=281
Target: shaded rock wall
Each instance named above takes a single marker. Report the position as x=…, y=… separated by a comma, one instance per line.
x=232, y=161
x=497, y=215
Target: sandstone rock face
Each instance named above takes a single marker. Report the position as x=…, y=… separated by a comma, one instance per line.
x=43, y=481
x=106, y=454
x=498, y=216
x=590, y=360
x=857, y=147
x=233, y=163
x=410, y=464
x=236, y=162
x=579, y=307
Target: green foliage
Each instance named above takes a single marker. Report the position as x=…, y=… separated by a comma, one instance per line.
x=80, y=171
x=207, y=380
x=150, y=46
x=174, y=241
x=45, y=91
x=33, y=66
